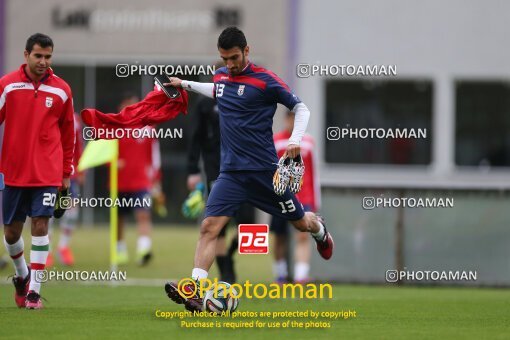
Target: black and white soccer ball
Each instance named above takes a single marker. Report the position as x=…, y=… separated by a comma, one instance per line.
x=222, y=297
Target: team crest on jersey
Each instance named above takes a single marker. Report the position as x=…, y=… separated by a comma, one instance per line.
x=240, y=90
x=49, y=102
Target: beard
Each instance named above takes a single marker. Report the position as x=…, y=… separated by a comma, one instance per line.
x=240, y=68
x=37, y=69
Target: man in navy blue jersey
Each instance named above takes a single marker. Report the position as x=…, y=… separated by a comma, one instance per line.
x=247, y=96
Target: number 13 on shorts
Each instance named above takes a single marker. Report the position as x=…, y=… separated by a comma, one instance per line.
x=287, y=206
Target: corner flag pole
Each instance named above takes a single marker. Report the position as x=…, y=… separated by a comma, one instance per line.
x=100, y=152
x=114, y=169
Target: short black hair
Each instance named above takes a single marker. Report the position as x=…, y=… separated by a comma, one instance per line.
x=40, y=39
x=232, y=37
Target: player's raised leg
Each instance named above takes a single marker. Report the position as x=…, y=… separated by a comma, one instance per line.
x=287, y=206
x=315, y=225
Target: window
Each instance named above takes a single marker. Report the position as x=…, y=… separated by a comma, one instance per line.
x=386, y=105
x=111, y=89
x=75, y=78
x=482, y=131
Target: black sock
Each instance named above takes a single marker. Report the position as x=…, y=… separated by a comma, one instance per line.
x=233, y=247
x=226, y=267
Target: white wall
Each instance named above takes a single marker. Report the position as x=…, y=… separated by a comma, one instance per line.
x=437, y=40
x=264, y=23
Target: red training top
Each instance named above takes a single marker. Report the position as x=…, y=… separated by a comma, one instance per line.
x=139, y=163
x=39, y=133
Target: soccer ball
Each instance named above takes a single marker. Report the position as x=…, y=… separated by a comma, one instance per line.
x=221, y=298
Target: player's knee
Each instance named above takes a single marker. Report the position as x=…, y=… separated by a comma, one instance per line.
x=40, y=226
x=11, y=235
x=310, y=216
x=210, y=228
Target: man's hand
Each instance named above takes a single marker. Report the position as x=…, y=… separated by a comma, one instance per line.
x=292, y=151
x=174, y=81
x=66, y=183
x=193, y=180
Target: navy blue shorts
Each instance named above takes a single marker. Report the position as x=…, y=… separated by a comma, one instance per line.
x=134, y=196
x=20, y=202
x=279, y=226
x=234, y=188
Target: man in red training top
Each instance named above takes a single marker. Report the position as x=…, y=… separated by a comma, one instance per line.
x=37, y=158
x=139, y=175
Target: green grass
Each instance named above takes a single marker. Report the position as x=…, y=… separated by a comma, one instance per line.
x=77, y=311
x=174, y=249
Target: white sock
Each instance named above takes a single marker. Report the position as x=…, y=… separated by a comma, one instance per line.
x=121, y=246
x=280, y=269
x=38, y=256
x=301, y=270
x=15, y=251
x=198, y=274
x=320, y=234
x=65, y=237
x=70, y=219
x=144, y=244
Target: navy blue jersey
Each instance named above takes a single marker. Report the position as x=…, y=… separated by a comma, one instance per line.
x=247, y=103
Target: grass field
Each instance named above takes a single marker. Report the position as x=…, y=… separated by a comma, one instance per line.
x=80, y=311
